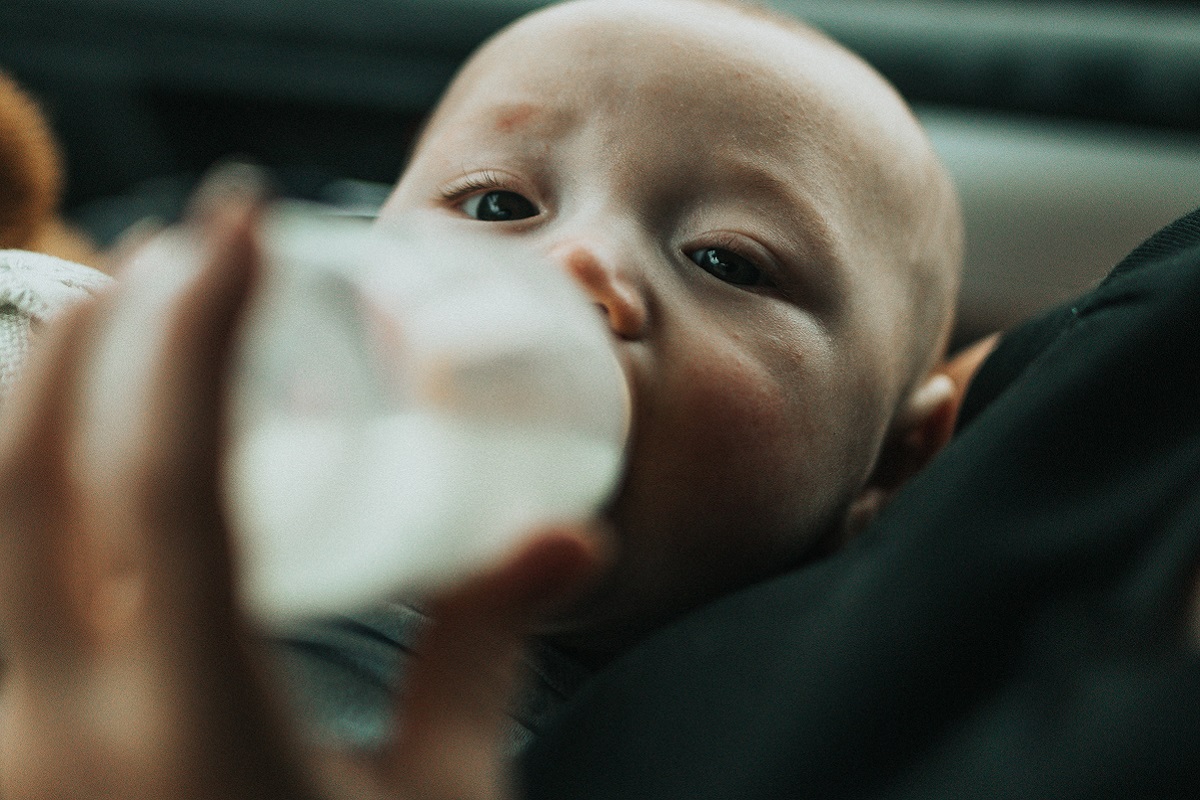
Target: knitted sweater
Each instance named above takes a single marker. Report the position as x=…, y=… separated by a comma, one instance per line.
x=34, y=287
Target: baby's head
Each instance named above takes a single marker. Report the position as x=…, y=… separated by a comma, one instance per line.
x=774, y=245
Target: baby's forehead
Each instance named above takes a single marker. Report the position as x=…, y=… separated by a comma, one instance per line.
x=743, y=72
x=705, y=80
x=704, y=92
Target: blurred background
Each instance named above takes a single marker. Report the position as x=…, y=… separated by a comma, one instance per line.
x=1073, y=128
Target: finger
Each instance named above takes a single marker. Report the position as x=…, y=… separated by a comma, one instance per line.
x=148, y=461
x=148, y=458
x=452, y=738
x=130, y=241
x=39, y=554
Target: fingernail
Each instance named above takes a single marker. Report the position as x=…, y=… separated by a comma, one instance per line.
x=231, y=183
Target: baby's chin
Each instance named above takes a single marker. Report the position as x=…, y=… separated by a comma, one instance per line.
x=618, y=609
x=606, y=618
x=591, y=640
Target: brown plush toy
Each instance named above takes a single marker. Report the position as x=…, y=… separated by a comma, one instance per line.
x=31, y=182
x=34, y=285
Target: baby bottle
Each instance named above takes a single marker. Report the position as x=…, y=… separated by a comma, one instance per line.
x=407, y=402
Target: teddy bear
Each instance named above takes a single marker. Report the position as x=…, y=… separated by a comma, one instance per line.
x=42, y=257
x=31, y=182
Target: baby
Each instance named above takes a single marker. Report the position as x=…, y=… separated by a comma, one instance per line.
x=775, y=248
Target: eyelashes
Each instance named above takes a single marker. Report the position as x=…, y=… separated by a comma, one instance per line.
x=459, y=190
x=729, y=267
x=734, y=259
x=483, y=198
x=498, y=205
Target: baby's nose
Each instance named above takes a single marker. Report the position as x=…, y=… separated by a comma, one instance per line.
x=614, y=294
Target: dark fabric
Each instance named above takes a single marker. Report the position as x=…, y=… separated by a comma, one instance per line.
x=1012, y=627
x=1009, y=359
x=1021, y=347
x=343, y=672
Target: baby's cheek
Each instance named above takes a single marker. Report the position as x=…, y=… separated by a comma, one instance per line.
x=736, y=433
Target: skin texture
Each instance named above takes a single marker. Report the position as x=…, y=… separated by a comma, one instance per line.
x=626, y=139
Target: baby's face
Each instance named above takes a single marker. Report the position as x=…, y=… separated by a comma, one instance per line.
x=700, y=174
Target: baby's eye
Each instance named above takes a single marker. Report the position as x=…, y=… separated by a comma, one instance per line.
x=498, y=206
x=729, y=267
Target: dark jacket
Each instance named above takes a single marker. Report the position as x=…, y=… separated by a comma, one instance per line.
x=1013, y=626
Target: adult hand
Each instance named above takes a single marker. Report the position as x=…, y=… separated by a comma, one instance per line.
x=129, y=669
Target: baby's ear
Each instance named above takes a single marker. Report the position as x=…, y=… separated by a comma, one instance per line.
x=922, y=427
x=920, y=430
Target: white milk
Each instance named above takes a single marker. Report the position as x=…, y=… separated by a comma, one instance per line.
x=405, y=407
x=340, y=515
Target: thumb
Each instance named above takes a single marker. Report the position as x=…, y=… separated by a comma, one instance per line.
x=452, y=740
